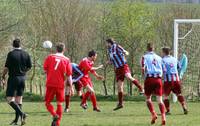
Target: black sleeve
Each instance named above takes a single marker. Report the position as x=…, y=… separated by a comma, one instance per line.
x=7, y=61
x=28, y=63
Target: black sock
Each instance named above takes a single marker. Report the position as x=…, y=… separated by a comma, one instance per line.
x=16, y=108
x=16, y=114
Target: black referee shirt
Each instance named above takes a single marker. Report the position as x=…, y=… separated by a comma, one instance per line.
x=18, y=62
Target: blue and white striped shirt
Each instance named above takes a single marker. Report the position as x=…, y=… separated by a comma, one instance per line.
x=171, y=71
x=77, y=74
x=152, y=65
x=116, y=54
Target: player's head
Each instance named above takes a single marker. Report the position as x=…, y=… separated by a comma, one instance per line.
x=92, y=55
x=16, y=43
x=150, y=47
x=166, y=51
x=60, y=47
x=110, y=42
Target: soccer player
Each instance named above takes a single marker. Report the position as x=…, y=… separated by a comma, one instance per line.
x=117, y=58
x=18, y=62
x=86, y=66
x=152, y=68
x=58, y=73
x=76, y=76
x=171, y=80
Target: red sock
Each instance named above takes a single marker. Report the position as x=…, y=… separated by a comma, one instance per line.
x=182, y=101
x=86, y=96
x=67, y=101
x=59, y=112
x=150, y=107
x=50, y=108
x=93, y=99
x=162, y=110
x=137, y=84
x=120, y=98
x=167, y=105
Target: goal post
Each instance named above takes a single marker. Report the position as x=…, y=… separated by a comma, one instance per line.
x=177, y=22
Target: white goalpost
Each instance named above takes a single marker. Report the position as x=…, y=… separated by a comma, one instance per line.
x=177, y=38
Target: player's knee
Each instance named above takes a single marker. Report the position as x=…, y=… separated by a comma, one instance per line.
x=10, y=99
x=59, y=103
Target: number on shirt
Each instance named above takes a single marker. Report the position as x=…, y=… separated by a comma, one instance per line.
x=154, y=62
x=57, y=63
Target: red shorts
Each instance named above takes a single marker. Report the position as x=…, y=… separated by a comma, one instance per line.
x=86, y=81
x=51, y=92
x=175, y=87
x=153, y=86
x=121, y=71
x=78, y=86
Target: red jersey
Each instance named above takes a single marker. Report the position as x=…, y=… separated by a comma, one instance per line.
x=86, y=66
x=56, y=67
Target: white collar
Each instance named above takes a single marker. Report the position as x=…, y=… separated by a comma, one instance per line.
x=17, y=48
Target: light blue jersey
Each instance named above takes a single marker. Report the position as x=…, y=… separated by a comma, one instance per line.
x=171, y=71
x=152, y=65
x=183, y=65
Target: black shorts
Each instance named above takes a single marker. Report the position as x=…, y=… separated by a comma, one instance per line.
x=15, y=86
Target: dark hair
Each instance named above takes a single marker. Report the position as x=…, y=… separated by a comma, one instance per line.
x=110, y=40
x=92, y=53
x=166, y=50
x=16, y=43
x=60, y=47
x=150, y=46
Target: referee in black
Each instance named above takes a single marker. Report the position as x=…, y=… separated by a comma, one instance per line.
x=18, y=62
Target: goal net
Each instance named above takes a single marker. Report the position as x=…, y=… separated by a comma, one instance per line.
x=187, y=41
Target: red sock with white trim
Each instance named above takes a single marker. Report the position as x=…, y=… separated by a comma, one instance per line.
x=137, y=84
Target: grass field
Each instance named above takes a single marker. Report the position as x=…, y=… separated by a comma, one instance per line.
x=134, y=114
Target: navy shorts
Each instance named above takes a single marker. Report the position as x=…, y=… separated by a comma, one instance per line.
x=15, y=86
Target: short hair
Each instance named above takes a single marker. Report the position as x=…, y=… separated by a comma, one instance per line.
x=16, y=43
x=166, y=50
x=110, y=40
x=150, y=46
x=60, y=47
x=92, y=53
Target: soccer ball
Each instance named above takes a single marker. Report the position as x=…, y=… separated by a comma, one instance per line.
x=47, y=44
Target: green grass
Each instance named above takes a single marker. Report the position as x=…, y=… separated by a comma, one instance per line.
x=133, y=114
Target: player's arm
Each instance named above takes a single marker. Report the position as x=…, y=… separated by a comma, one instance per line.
x=96, y=68
x=5, y=70
x=123, y=50
x=28, y=62
x=142, y=65
x=45, y=65
x=99, y=77
x=68, y=81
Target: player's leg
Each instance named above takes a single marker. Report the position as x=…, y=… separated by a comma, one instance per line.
x=10, y=93
x=181, y=99
x=67, y=99
x=166, y=91
x=120, y=87
x=149, y=89
x=159, y=93
x=49, y=96
x=150, y=106
x=135, y=82
x=60, y=99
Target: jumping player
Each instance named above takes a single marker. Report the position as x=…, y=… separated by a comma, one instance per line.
x=117, y=58
x=76, y=76
x=58, y=69
x=171, y=80
x=86, y=66
x=152, y=68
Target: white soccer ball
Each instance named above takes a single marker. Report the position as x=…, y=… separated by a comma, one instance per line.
x=47, y=44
